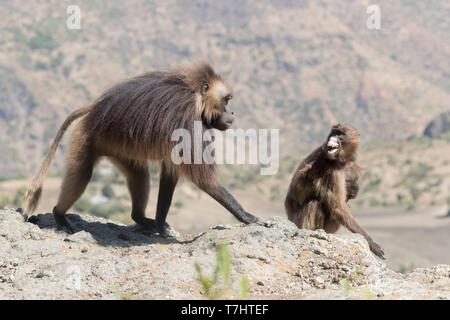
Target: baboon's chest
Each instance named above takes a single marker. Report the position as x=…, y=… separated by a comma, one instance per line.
x=330, y=182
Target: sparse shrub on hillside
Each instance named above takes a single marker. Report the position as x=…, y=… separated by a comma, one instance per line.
x=40, y=65
x=42, y=40
x=56, y=60
x=178, y=204
x=400, y=198
x=107, y=191
x=415, y=193
x=80, y=59
x=435, y=182
x=420, y=171
x=391, y=160
x=410, y=206
x=66, y=71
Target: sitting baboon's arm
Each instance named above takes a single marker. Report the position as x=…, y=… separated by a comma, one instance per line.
x=337, y=207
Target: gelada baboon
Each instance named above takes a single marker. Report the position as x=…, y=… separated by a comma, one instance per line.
x=131, y=124
x=324, y=182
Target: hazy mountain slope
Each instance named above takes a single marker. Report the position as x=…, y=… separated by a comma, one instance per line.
x=294, y=65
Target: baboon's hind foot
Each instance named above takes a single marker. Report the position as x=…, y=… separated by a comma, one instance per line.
x=62, y=223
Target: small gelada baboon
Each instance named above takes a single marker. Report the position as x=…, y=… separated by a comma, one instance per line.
x=131, y=124
x=324, y=182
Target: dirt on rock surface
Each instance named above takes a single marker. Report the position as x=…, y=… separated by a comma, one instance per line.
x=106, y=260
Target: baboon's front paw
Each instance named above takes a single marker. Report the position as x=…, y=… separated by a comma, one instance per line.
x=152, y=226
x=262, y=223
x=377, y=250
x=249, y=218
x=163, y=230
x=166, y=231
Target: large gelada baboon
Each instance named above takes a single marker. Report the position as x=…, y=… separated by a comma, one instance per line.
x=324, y=182
x=131, y=124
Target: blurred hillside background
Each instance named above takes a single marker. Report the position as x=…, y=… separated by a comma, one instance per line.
x=296, y=65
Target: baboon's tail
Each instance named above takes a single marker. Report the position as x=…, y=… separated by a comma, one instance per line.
x=33, y=193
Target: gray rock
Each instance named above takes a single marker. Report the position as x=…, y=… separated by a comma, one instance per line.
x=106, y=260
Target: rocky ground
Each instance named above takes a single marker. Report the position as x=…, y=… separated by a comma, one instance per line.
x=106, y=260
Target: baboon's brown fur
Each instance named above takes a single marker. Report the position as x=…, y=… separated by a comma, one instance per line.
x=131, y=124
x=324, y=182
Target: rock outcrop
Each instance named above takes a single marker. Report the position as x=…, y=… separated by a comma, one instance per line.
x=113, y=261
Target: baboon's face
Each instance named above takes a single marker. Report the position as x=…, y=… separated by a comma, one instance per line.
x=216, y=96
x=341, y=142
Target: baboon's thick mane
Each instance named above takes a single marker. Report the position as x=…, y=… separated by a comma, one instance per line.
x=148, y=107
x=142, y=113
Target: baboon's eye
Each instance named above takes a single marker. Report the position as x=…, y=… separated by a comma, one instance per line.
x=205, y=88
x=228, y=98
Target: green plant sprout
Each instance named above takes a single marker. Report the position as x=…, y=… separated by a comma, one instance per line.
x=218, y=285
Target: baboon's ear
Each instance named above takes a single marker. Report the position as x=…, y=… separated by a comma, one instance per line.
x=205, y=88
x=202, y=110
